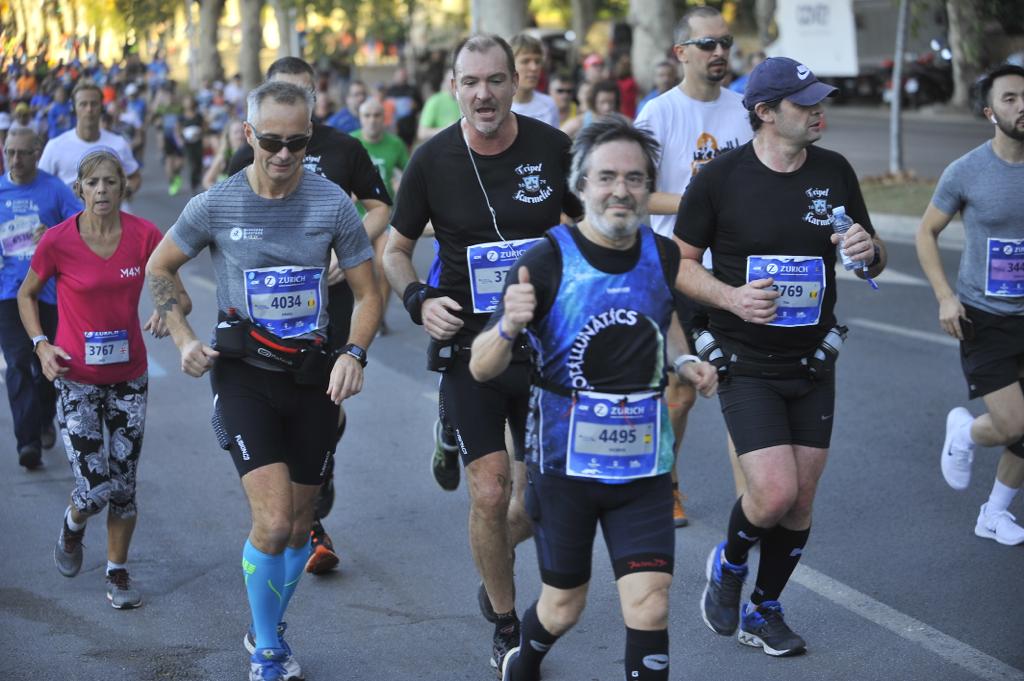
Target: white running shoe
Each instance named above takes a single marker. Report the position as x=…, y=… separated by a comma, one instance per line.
x=999, y=526
x=957, y=450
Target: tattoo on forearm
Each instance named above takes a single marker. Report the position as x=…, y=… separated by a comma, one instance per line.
x=162, y=290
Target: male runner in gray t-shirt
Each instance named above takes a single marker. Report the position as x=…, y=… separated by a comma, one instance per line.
x=986, y=313
x=245, y=231
x=271, y=229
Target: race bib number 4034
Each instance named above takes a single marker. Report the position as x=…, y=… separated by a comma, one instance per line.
x=284, y=300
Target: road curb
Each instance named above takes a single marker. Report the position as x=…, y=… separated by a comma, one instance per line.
x=903, y=228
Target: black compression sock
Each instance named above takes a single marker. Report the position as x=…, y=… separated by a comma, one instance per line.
x=646, y=655
x=781, y=550
x=534, y=643
x=743, y=534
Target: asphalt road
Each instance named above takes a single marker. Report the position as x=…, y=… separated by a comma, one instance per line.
x=893, y=584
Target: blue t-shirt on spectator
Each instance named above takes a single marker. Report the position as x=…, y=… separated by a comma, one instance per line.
x=344, y=121
x=59, y=119
x=23, y=207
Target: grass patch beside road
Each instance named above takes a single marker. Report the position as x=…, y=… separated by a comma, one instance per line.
x=900, y=196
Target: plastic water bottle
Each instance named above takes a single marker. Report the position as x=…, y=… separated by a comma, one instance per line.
x=709, y=350
x=841, y=222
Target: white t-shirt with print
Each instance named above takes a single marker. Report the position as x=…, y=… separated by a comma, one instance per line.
x=691, y=133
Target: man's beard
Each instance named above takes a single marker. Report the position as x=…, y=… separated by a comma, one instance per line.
x=616, y=232
x=1010, y=129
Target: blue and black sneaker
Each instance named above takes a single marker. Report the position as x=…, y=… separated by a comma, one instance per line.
x=720, y=604
x=293, y=672
x=267, y=664
x=764, y=627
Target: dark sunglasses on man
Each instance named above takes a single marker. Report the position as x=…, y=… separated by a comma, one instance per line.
x=275, y=144
x=708, y=44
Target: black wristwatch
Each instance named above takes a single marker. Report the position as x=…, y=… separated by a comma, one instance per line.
x=357, y=352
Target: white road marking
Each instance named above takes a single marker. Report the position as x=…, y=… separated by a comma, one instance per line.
x=937, y=338
x=973, y=660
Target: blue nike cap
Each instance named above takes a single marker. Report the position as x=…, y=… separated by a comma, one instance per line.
x=784, y=78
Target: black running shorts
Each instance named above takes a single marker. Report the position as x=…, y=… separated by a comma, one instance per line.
x=477, y=412
x=994, y=358
x=765, y=412
x=636, y=520
x=269, y=419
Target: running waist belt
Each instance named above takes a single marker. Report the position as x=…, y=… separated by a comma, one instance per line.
x=308, y=361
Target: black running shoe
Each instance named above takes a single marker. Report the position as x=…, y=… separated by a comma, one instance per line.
x=444, y=462
x=30, y=457
x=322, y=557
x=764, y=627
x=720, y=604
x=506, y=638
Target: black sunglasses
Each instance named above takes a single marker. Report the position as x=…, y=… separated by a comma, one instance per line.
x=564, y=90
x=708, y=44
x=275, y=144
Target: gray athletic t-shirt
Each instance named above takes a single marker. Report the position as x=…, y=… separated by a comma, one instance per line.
x=245, y=231
x=988, y=193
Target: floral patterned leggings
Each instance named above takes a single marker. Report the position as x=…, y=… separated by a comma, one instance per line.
x=103, y=474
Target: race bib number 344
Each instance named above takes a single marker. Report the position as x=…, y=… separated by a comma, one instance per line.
x=1004, y=276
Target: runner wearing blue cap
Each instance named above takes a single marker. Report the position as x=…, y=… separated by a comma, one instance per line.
x=765, y=212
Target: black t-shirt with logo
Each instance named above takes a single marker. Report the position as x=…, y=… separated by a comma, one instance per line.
x=338, y=157
x=737, y=207
x=527, y=185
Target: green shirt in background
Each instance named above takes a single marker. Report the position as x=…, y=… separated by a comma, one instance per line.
x=387, y=153
x=440, y=110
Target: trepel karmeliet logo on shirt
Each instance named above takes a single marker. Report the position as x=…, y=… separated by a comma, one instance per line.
x=532, y=187
x=819, y=212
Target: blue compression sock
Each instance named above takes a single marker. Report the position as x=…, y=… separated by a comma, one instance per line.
x=264, y=584
x=294, y=566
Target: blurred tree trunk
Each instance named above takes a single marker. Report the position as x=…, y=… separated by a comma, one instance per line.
x=765, y=11
x=653, y=22
x=583, y=14
x=285, y=13
x=210, y=65
x=967, y=42
x=504, y=17
x=252, y=43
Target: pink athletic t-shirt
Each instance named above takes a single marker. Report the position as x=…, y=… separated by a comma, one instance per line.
x=98, y=300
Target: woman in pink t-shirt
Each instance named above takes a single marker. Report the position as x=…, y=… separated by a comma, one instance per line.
x=98, y=359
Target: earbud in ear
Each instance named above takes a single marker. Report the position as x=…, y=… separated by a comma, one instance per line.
x=993, y=119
